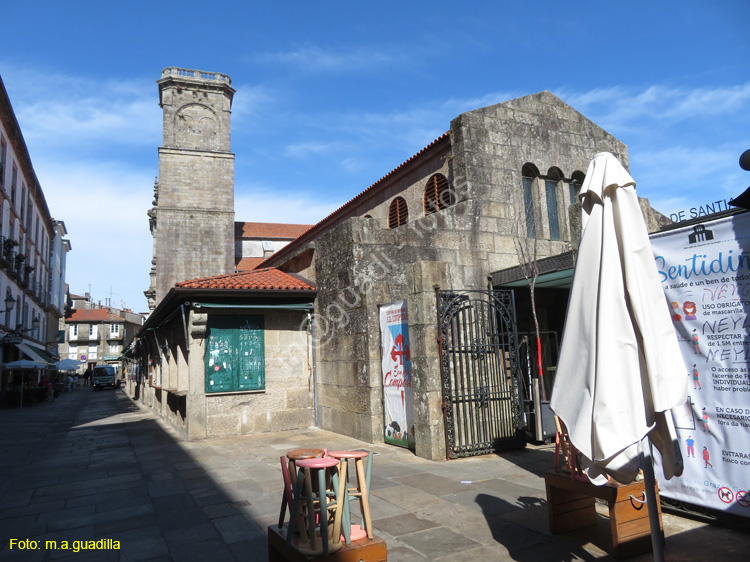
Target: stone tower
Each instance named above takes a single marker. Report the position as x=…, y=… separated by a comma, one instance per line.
x=192, y=221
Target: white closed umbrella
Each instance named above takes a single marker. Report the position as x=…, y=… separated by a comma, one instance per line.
x=620, y=370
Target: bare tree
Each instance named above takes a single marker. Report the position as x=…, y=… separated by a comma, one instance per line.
x=526, y=244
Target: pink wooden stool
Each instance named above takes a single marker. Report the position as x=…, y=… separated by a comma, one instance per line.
x=289, y=473
x=314, y=516
x=361, y=491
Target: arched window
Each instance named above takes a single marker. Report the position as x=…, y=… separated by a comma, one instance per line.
x=576, y=181
x=554, y=176
x=398, y=214
x=8, y=305
x=529, y=173
x=437, y=194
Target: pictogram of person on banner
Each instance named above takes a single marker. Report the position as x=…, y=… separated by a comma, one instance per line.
x=690, y=442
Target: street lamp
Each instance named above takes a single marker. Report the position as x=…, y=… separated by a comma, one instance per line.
x=9, y=304
x=34, y=325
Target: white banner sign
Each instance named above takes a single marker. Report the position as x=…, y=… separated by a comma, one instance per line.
x=396, y=369
x=705, y=272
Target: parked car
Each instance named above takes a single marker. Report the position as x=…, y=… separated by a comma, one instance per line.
x=105, y=375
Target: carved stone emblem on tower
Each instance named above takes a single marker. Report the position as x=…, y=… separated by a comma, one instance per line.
x=196, y=127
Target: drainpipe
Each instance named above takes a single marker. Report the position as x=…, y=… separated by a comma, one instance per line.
x=315, y=371
x=185, y=328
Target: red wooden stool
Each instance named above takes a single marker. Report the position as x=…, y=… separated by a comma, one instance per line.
x=316, y=514
x=361, y=491
x=289, y=473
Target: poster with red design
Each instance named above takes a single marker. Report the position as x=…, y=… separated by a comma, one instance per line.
x=398, y=398
x=705, y=273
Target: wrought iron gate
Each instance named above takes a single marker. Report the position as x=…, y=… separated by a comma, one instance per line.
x=480, y=375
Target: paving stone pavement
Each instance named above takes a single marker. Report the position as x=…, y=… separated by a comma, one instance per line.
x=96, y=465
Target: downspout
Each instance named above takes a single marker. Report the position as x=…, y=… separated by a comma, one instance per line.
x=185, y=329
x=315, y=370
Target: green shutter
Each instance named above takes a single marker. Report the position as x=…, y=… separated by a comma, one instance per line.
x=235, y=354
x=250, y=350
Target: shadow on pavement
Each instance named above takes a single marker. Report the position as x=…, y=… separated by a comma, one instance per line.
x=94, y=466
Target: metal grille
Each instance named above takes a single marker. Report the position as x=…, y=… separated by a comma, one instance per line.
x=479, y=364
x=398, y=213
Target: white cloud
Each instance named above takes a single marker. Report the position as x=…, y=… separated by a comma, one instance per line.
x=314, y=58
x=305, y=149
x=58, y=112
x=103, y=206
x=259, y=204
x=621, y=107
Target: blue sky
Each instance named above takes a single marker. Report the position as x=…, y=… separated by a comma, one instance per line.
x=332, y=95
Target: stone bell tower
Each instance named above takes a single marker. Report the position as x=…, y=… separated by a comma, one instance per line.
x=192, y=221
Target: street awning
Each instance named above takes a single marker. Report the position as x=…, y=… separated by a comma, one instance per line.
x=34, y=353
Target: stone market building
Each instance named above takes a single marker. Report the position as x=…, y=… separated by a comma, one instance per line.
x=439, y=234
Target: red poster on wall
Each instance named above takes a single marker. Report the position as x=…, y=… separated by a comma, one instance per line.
x=398, y=399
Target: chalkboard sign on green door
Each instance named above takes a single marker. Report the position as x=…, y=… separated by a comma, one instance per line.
x=235, y=354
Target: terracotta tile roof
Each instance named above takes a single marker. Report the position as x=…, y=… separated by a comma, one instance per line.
x=363, y=195
x=247, y=264
x=269, y=230
x=93, y=315
x=267, y=279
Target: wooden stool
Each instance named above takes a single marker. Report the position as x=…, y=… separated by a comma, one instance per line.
x=361, y=491
x=311, y=513
x=289, y=472
x=571, y=505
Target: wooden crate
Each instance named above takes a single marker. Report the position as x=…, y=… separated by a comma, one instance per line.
x=571, y=505
x=365, y=550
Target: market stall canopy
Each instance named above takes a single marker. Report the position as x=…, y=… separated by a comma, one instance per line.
x=24, y=364
x=68, y=365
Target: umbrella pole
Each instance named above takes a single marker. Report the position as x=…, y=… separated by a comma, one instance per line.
x=649, y=480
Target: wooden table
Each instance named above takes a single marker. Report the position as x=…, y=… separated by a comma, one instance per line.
x=571, y=506
x=365, y=550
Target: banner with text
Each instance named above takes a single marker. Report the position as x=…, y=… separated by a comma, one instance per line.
x=705, y=272
x=396, y=368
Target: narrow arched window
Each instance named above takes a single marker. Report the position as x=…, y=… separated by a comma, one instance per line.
x=437, y=194
x=551, y=183
x=576, y=181
x=529, y=173
x=398, y=214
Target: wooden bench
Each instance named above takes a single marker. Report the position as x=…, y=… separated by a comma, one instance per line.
x=571, y=505
x=365, y=550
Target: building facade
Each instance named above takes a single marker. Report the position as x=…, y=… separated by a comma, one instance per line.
x=256, y=241
x=95, y=334
x=228, y=355
x=32, y=254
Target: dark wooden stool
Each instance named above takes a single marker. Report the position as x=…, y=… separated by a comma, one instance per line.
x=570, y=504
x=290, y=478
